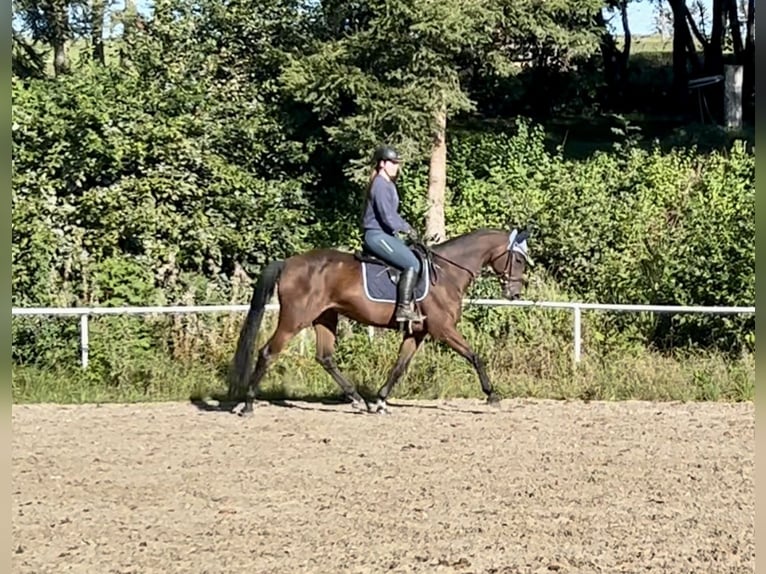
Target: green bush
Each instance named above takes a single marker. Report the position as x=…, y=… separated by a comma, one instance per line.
x=642, y=227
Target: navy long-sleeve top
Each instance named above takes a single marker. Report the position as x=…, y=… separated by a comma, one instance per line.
x=382, y=208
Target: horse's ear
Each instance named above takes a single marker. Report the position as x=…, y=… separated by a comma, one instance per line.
x=518, y=243
x=521, y=236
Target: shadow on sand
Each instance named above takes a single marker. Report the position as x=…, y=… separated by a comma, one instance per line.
x=220, y=403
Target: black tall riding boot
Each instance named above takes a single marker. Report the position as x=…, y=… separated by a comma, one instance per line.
x=406, y=287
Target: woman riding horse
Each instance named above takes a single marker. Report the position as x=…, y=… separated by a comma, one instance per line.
x=382, y=222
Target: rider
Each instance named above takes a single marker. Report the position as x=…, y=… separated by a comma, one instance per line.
x=381, y=223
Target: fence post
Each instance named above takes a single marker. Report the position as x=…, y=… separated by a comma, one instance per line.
x=577, y=328
x=84, y=340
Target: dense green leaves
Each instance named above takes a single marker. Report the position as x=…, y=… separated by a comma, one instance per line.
x=384, y=70
x=109, y=164
x=642, y=227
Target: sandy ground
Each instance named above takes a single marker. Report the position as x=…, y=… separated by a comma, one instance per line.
x=456, y=486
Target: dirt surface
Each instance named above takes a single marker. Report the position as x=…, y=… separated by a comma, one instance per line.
x=457, y=486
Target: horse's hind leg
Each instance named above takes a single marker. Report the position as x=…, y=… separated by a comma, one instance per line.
x=407, y=350
x=287, y=328
x=325, y=328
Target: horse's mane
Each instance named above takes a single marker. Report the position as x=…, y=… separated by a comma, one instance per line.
x=460, y=238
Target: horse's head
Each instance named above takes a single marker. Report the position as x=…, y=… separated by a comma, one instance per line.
x=511, y=263
x=505, y=253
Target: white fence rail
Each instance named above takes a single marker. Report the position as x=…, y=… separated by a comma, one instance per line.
x=576, y=308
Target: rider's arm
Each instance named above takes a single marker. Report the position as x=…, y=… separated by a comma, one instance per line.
x=385, y=203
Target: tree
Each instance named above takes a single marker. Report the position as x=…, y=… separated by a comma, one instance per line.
x=26, y=62
x=47, y=21
x=385, y=71
x=615, y=59
x=395, y=71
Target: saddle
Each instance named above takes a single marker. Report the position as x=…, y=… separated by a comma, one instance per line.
x=420, y=250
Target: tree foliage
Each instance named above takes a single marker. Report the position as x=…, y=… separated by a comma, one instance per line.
x=384, y=70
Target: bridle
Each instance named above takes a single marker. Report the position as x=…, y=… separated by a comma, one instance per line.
x=505, y=276
x=516, y=242
x=472, y=273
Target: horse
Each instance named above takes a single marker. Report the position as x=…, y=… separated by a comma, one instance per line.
x=316, y=286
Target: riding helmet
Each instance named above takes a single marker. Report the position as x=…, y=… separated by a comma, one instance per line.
x=386, y=153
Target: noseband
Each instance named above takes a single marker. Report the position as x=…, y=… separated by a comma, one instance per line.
x=505, y=276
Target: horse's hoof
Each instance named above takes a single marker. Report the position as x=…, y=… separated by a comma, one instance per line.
x=243, y=410
x=494, y=400
x=360, y=406
x=381, y=408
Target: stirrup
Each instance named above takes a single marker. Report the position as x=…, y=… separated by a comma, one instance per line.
x=410, y=315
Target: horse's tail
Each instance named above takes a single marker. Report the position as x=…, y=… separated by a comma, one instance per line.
x=243, y=358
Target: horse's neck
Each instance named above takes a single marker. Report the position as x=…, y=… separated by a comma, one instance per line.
x=465, y=257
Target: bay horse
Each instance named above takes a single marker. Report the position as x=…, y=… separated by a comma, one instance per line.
x=316, y=286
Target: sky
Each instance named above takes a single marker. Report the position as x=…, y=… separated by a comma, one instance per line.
x=640, y=19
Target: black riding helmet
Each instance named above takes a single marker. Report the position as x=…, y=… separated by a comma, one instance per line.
x=386, y=153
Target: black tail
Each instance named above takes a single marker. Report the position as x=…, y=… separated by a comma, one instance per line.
x=242, y=365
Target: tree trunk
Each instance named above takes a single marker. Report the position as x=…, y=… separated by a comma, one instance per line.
x=748, y=76
x=750, y=27
x=60, y=58
x=714, y=48
x=684, y=53
x=625, y=56
x=437, y=181
x=615, y=60
x=609, y=54
x=733, y=97
x=736, y=33
x=696, y=31
x=128, y=34
x=59, y=32
x=680, y=39
x=714, y=61
x=97, y=30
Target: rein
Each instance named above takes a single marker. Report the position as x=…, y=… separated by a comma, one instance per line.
x=473, y=275
x=442, y=257
x=430, y=254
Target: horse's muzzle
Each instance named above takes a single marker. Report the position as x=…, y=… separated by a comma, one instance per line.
x=512, y=295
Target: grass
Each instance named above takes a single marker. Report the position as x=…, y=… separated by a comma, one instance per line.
x=527, y=351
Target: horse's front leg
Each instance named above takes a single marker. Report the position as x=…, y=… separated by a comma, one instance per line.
x=452, y=337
